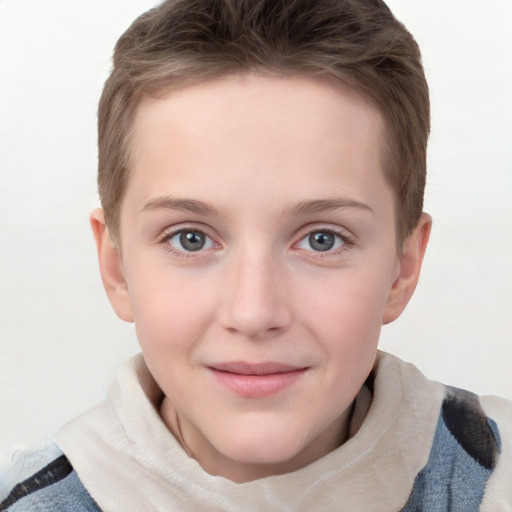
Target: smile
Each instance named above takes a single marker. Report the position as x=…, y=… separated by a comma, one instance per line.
x=256, y=380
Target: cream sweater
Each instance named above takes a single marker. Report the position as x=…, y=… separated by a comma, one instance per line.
x=128, y=460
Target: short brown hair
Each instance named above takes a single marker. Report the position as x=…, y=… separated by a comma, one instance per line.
x=182, y=42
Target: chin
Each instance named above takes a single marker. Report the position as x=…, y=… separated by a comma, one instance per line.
x=263, y=447
x=260, y=455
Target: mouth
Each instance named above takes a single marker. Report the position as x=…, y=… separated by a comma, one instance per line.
x=256, y=380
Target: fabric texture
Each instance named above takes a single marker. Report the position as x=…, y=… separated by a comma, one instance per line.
x=53, y=485
x=414, y=445
x=463, y=456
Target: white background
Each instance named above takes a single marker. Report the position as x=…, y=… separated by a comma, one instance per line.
x=60, y=343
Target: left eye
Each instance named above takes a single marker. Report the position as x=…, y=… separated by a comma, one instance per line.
x=190, y=240
x=321, y=241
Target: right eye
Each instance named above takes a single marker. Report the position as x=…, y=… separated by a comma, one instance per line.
x=190, y=240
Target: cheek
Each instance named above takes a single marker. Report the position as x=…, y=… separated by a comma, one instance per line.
x=346, y=319
x=353, y=301
x=170, y=311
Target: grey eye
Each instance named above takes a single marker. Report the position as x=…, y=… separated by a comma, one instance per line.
x=321, y=241
x=190, y=240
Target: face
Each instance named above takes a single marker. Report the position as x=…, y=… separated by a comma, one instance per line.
x=258, y=262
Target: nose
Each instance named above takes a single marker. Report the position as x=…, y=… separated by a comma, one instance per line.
x=255, y=302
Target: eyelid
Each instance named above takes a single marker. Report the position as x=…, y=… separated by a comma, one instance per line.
x=339, y=240
x=208, y=242
x=173, y=231
x=184, y=226
x=345, y=235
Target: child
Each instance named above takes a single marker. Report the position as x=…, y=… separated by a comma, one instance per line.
x=261, y=172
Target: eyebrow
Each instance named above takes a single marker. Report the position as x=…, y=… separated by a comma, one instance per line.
x=174, y=203
x=325, y=205
x=300, y=208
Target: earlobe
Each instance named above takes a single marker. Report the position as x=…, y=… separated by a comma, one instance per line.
x=410, y=265
x=111, y=268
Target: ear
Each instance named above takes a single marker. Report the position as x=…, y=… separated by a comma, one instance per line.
x=111, y=267
x=409, y=269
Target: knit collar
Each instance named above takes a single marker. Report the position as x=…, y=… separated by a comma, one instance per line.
x=128, y=460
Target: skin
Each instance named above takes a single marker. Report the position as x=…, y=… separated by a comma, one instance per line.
x=256, y=165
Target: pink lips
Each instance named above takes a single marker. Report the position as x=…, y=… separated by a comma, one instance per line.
x=256, y=380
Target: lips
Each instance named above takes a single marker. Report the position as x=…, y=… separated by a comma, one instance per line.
x=243, y=368
x=256, y=380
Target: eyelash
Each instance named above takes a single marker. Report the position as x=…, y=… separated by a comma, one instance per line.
x=345, y=238
x=169, y=235
x=346, y=242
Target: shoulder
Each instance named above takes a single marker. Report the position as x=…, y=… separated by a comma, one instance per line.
x=498, y=497
x=43, y=480
x=470, y=460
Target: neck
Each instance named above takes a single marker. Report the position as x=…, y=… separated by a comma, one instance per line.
x=216, y=463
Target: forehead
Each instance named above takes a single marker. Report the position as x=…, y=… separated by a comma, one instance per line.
x=262, y=99
x=250, y=127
